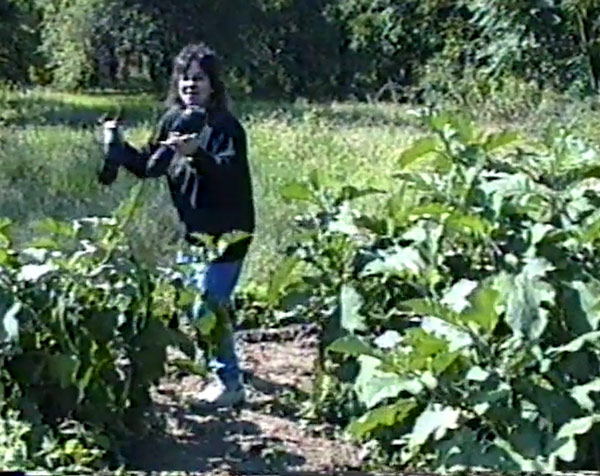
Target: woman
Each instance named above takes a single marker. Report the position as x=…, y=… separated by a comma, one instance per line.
x=201, y=149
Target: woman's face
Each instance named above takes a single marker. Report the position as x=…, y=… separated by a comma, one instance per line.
x=194, y=86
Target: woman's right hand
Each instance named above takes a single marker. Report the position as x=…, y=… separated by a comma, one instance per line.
x=183, y=144
x=111, y=132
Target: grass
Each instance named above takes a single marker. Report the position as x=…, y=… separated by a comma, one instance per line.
x=49, y=155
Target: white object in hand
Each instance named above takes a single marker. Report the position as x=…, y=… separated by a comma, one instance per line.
x=111, y=132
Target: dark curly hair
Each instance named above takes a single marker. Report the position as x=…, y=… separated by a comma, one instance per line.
x=210, y=64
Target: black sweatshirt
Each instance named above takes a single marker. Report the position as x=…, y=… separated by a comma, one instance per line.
x=212, y=191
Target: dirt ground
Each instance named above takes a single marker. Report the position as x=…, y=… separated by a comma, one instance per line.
x=265, y=437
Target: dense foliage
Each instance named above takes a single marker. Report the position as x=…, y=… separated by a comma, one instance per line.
x=459, y=317
x=84, y=334
x=311, y=48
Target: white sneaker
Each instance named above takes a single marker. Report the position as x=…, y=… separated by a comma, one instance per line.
x=216, y=395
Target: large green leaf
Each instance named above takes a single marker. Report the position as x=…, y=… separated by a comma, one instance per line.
x=350, y=192
x=566, y=442
x=483, y=310
x=281, y=278
x=418, y=150
x=10, y=324
x=353, y=346
x=581, y=305
x=516, y=457
x=102, y=325
x=344, y=222
x=581, y=394
x=428, y=307
x=466, y=451
x=524, y=295
x=374, y=385
x=557, y=406
x=457, y=297
x=456, y=337
x=527, y=439
x=423, y=354
x=576, y=344
x=63, y=368
x=389, y=415
x=396, y=261
x=351, y=303
x=518, y=189
x=434, y=422
x=206, y=323
x=34, y=272
x=501, y=139
x=463, y=223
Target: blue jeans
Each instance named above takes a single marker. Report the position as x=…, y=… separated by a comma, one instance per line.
x=216, y=283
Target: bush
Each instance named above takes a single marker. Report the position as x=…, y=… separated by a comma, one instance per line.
x=84, y=336
x=463, y=312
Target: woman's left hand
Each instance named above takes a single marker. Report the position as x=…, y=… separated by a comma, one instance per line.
x=183, y=144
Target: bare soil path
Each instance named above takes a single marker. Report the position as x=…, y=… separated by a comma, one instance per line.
x=265, y=437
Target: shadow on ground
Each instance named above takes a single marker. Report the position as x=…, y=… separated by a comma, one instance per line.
x=225, y=440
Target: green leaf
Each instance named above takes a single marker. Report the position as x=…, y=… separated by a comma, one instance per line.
x=102, y=325
x=466, y=451
x=581, y=303
x=477, y=374
x=434, y=422
x=395, y=262
x=578, y=426
x=527, y=439
x=576, y=344
x=5, y=238
x=281, y=278
x=206, y=323
x=423, y=353
x=34, y=272
x=350, y=304
x=482, y=311
x=456, y=338
x=462, y=223
x=417, y=150
x=501, y=139
x=63, y=368
x=353, y=346
x=350, y=192
x=521, y=462
x=525, y=295
x=298, y=191
x=54, y=227
x=581, y=394
x=10, y=324
x=428, y=307
x=374, y=385
x=344, y=222
x=557, y=406
x=566, y=444
x=386, y=416
x=457, y=297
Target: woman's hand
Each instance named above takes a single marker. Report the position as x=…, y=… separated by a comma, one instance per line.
x=183, y=144
x=111, y=132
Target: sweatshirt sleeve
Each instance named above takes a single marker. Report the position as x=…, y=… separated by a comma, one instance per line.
x=153, y=159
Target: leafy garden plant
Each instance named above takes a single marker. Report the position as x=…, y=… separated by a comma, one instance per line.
x=461, y=308
x=84, y=334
